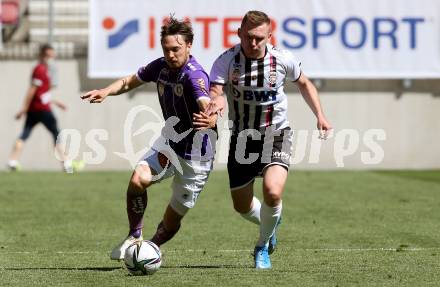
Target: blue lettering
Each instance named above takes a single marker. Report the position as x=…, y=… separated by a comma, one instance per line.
x=378, y=33
x=302, y=38
x=352, y=32
x=412, y=30
x=318, y=32
x=344, y=33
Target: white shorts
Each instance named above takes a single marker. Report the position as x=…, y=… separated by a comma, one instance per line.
x=189, y=177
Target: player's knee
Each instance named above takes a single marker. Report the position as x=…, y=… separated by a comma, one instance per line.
x=272, y=195
x=19, y=143
x=138, y=182
x=143, y=175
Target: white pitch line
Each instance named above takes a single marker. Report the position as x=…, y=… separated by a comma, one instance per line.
x=313, y=250
x=384, y=249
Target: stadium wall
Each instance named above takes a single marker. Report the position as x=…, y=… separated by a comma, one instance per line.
x=370, y=118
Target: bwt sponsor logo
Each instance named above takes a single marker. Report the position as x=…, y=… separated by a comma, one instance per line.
x=291, y=32
x=257, y=95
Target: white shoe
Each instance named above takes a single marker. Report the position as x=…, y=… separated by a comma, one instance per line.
x=67, y=166
x=13, y=165
x=119, y=251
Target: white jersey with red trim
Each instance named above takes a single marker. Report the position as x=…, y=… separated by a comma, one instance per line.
x=255, y=88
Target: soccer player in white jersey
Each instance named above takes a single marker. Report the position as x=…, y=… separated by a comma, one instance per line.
x=252, y=74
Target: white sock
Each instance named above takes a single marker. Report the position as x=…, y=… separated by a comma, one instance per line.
x=67, y=162
x=254, y=214
x=67, y=166
x=269, y=220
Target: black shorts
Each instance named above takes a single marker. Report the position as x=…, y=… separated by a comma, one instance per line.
x=46, y=118
x=249, y=160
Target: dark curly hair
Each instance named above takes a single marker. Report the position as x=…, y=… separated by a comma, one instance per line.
x=175, y=27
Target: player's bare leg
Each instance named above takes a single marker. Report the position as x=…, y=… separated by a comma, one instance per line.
x=168, y=227
x=66, y=163
x=15, y=154
x=136, y=205
x=274, y=179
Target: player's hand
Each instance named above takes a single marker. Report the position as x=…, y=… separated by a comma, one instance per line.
x=324, y=128
x=61, y=105
x=216, y=105
x=95, y=96
x=202, y=121
x=19, y=114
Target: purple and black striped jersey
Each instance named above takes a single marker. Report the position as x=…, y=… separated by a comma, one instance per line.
x=255, y=88
x=179, y=93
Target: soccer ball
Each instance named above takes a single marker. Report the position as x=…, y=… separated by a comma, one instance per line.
x=78, y=165
x=142, y=258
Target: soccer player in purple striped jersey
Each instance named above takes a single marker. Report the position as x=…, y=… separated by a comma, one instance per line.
x=253, y=74
x=182, y=90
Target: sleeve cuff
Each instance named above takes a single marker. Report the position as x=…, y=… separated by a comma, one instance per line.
x=37, y=82
x=296, y=80
x=217, y=83
x=139, y=78
x=203, y=98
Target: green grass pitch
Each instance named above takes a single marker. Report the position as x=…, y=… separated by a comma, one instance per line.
x=340, y=228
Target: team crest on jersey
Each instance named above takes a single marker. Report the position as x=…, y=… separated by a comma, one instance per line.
x=235, y=75
x=160, y=88
x=272, y=78
x=178, y=90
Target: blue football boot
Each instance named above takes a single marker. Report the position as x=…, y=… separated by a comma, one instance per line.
x=273, y=239
x=262, y=259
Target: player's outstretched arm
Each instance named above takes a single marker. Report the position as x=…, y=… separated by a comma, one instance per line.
x=218, y=101
x=59, y=104
x=310, y=95
x=118, y=87
x=27, y=101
